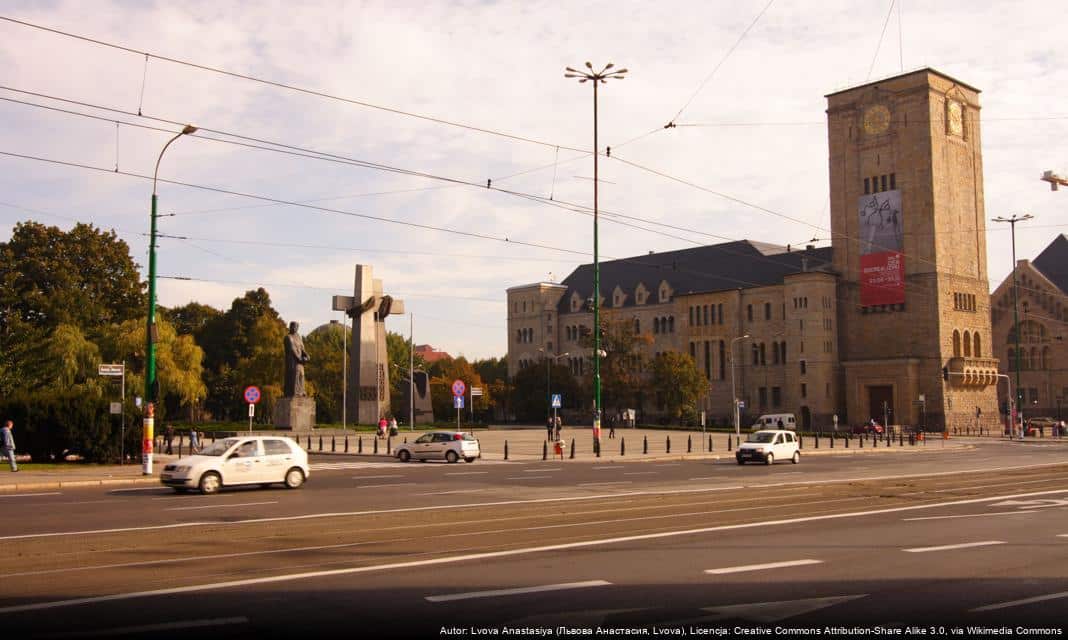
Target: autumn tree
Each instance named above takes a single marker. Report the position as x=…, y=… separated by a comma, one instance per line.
x=326, y=346
x=677, y=382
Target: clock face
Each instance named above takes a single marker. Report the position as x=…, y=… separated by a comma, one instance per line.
x=876, y=119
x=954, y=118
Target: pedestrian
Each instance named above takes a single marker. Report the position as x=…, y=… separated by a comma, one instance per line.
x=550, y=424
x=611, y=426
x=559, y=424
x=7, y=443
x=194, y=442
x=393, y=426
x=168, y=439
x=780, y=425
x=382, y=425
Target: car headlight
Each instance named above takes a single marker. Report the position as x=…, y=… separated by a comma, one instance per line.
x=182, y=468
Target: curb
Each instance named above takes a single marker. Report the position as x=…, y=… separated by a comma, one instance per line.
x=69, y=484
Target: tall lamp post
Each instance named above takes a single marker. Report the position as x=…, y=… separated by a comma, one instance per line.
x=602, y=76
x=1017, y=405
x=151, y=385
x=549, y=361
x=734, y=394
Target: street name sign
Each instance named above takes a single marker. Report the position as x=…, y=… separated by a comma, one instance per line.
x=111, y=369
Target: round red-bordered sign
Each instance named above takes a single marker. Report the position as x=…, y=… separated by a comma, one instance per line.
x=252, y=394
x=458, y=388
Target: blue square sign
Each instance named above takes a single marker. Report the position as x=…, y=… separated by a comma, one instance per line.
x=457, y=402
x=556, y=401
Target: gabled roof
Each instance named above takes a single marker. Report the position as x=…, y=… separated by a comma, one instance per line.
x=1053, y=262
x=743, y=264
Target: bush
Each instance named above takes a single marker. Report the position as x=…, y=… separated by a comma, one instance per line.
x=50, y=426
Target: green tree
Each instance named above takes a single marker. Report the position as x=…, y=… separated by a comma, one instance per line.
x=531, y=396
x=398, y=354
x=677, y=382
x=442, y=374
x=263, y=366
x=190, y=319
x=622, y=364
x=326, y=345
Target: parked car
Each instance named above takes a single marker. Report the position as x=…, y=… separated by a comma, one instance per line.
x=773, y=420
x=768, y=446
x=440, y=445
x=1041, y=425
x=239, y=461
x=869, y=427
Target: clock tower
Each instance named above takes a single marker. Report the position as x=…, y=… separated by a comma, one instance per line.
x=909, y=238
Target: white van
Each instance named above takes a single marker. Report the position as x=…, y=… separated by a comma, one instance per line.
x=771, y=421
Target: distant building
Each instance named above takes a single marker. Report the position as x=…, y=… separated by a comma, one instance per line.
x=429, y=354
x=861, y=329
x=1043, y=290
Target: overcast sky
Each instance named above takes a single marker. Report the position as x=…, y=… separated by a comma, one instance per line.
x=498, y=67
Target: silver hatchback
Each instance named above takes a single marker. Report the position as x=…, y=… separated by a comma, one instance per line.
x=450, y=446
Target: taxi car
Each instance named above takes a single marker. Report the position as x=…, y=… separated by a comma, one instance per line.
x=262, y=460
x=768, y=446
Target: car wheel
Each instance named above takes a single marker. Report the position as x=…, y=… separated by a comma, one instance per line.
x=404, y=455
x=451, y=457
x=294, y=478
x=797, y=457
x=210, y=483
x=740, y=462
x=469, y=459
x=770, y=459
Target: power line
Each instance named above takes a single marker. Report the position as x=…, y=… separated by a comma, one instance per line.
x=289, y=87
x=879, y=45
x=300, y=285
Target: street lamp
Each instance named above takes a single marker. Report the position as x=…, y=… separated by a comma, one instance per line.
x=1015, y=314
x=734, y=394
x=550, y=360
x=1054, y=180
x=151, y=385
x=598, y=77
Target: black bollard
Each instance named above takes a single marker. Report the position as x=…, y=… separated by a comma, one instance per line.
x=179, y=447
x=689, y=444
x=730, y=439
x=333, y=444
x=376, y=446
x=346, y=444
x=505, y=449
x=668, y=449
x=622, y=446
x=800, y=440
x=308, y=448
x=817, y=439
x=900, y=438
x=846, y=438
x=545, y=450
x=861, y=439
x=832, y=439
x=597, y=448
x=710, y=442
x=389, y=445
x=359, y=444
x=645, y=444
x=320, y=443
x=572, y=448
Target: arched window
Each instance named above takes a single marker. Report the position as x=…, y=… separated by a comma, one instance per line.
x=1045, y=357
x=976, y=350
x=671, y=324
x=756, y=355
x=956, y=343
x=967, y=344
x=763, y=353
x=656, y=325
x=783, y=349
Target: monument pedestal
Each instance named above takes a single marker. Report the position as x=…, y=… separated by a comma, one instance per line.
x=294, y=414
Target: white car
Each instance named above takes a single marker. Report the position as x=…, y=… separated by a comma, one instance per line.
x=768, y=446
x=445, y=445
x=259, y=460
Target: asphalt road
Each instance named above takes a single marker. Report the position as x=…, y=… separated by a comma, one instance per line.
x=944, y=539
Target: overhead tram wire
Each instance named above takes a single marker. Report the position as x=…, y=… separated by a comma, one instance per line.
x=882, y=34
x=300, y=285
x=288, y=87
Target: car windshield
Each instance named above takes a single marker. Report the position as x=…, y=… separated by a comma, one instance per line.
x=219, y=448
x=762, y=437
x=469, y=436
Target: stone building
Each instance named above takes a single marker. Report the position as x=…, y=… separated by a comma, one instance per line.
x=860, y=329
x=1043, y=291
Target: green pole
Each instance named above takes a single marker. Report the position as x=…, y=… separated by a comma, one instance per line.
x=150, y=343
x=596, y=286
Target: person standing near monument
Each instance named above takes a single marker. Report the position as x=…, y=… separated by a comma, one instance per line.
x=296, y=356
x=7, y=443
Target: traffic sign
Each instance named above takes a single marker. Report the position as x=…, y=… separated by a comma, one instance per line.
x=111, y=369
x=458, y=388
x=476, y=391
x=116, y=408
x=252, y=394
x=458, y=402
x=556, y=401
x=251, y=410
x=741, y=404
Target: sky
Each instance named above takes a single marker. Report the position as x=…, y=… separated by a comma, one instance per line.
x=395, y=115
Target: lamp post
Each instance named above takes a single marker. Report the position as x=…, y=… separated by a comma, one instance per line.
x=1015, y=313
x=549, y=361
x=601, y=76
x=151, y=385
x=1054, y=180
x=734, y=393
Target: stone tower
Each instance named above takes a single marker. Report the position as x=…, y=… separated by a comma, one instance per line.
x=909, y=237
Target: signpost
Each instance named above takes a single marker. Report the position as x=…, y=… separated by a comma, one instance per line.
x=459, y=390
x=252, y=396
x=119, y=370
x=557, y=402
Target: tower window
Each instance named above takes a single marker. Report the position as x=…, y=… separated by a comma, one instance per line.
x=749, y=312
x=883, y=182
x=893, y=181
x=867, y=186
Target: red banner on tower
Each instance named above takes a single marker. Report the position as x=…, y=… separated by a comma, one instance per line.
x=882, y=278
x=882, y=265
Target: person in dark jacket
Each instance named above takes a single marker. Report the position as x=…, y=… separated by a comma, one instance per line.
x=7, y=444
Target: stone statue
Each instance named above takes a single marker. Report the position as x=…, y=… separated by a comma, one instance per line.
x=296, y=356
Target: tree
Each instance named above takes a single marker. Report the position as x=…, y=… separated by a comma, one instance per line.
x=190, y=319
x=622, y=377
x=442, y=374
x=398, y=355
x=531, y=398
x=677, y=382
x=263, y=366
x=326, y=345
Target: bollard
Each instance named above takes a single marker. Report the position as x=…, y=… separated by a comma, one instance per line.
x=900, y=438
x=389, y=445
x=832, y=439
x=912, y=439
x=545, y=450
x=861, y=439
x=668, y=449
x=179, y=448
x=346, y=444
x=333, y=444
x=730, y=439
x=800, y=440
x=320, y=443
x=505, y=449
x=213, y=437
x=572, y=448
x=817, y=439
x=846, y=438
x=308, y=448
x=622, y=446
x=359, y=444
x=597, y=448
x=710, y=442
x=645, y=445
x=376, y=446
x=689, y=444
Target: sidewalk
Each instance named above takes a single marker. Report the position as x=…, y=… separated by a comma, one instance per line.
x=524, y=445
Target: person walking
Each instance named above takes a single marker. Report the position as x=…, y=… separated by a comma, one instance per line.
x=382, y=426
x=559, y=424
x=393, y=426
x=168, y=439
x=550, y=424
x=611, y=427
x=194, y=442
x=7, y=443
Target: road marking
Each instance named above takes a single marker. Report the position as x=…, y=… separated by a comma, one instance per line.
x=220, y=506
x=518, y=591
x=1017, y=603
x=55, y=604
x=949, y=547
x=397, y=475
x=1062, y=535
x=391, y=484
x=27, y=495
x=640, y=473
x=540, y=470
x=1032, y=504
x=970, y=515
x=526, y=477
x=465, y=473
x=441, y=493
x=762, y=567
x=139, y=489
x=601, y=484
x=612, y=468
x=164, y=626
x=712, y=478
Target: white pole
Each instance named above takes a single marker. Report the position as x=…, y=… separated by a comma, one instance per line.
x=378, y=376
x=122, y=428
x=411, y=371
x=344, y=372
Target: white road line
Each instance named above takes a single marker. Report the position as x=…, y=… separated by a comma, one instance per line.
x=762, y=567
x=441, y=493
x=232, y=584
x=377, y=477
x=612, y=468
x=138, y=489
x=540, y=470
x=391, y=484
x=949, y=547
x=526, y=477
x=1062, y=535
x=164, y=626
x=1017, y=603
x=970, y=515
x=518, y=591
x=601, y=484
x=27, y=495
x=710, y=478
x=221, y=506
x=465, y=473
x=640, y=473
